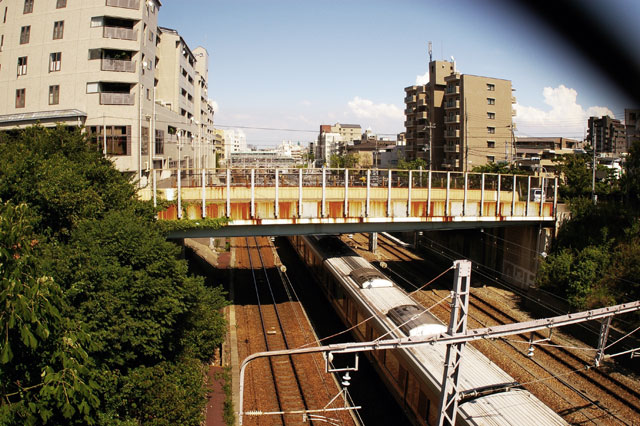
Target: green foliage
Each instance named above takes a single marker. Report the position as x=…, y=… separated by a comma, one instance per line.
x=165, y=394
x=500, y=168
x=630, y=182
x=102, y=323
x=595, y=257
x=168, y=226
x=348, y=161
x=43, y=364
x=412, y=165
x=576, y=173
x=228, y=413
x=62, y=180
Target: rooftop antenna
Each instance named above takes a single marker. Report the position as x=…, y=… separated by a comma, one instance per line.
x=430, y=52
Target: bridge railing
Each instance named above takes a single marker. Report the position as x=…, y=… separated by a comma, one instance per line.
x=247, y=194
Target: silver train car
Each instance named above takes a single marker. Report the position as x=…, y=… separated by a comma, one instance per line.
x=358, y=291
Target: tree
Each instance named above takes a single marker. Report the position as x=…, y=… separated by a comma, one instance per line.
x=44, y=374
x=348, y=161
x=96, y=301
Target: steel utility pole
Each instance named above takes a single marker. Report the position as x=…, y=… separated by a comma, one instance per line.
x=453, y=358
x=430, y=127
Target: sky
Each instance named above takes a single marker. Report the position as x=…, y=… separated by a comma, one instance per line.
x=279, y=69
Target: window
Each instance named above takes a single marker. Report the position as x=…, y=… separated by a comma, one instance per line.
x=491, y=158
x=491, y=101
x=491, y=115
x=1, y=41
x=20, y=97
x=22, y=65
x=491, y=130
x=61, y=3
x=28, y=6
x=54, y=95
x=117, y=140
x=55, y=61
x=58, y=30
x=159, y=148
x=97, y=21
x=25, y=34
x=491, y=87
x=93, y=87
x=4, y=20
x=491, y=144
x=150, y=35
x=144, y=141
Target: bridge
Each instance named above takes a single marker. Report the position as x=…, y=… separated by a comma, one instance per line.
x=315, y=201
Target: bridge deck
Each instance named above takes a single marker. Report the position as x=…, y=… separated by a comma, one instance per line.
x=322, y=196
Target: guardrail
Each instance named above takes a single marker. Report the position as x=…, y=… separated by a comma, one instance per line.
x=349, y=194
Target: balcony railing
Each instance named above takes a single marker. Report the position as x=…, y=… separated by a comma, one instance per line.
x=452, y=90
x=117, y=98
x=455, y=104
x=452, y=134
x=452, y=119
x=120, y=33
x=117, y=65
x=452, y=147
x=127, y=4
x=409, y=99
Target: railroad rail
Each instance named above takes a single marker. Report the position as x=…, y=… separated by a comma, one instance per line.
x=283, y=390
x=612, y=399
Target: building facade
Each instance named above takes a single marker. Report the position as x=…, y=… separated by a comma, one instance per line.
x=459, y=121
x=608, y=134
x=95, y=64
x=632, y=126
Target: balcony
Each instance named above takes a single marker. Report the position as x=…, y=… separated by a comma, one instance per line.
x=513, y=100
x=452, y=104
x=120, y=33
x=422, y=115
x=107, y=98
x=452, y=147
x=410, y=99
x=422, y=102
x=452, y=133
x=452, y=118
x=118, y=65
x=126, y=4
x=452, y=90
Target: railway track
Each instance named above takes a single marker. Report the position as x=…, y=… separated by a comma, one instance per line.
x=274, y=320
x=288, y=388
x=589, y=396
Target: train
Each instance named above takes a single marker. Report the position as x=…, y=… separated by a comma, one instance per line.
x=357, y=291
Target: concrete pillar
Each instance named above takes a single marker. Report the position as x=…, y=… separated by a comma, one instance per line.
x=373, y=242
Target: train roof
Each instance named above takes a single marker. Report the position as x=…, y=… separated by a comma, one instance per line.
x=511, y=405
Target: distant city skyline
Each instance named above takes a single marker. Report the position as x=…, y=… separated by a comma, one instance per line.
x=291, y=65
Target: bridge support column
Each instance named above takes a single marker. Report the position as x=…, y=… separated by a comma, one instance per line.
x=373, y=242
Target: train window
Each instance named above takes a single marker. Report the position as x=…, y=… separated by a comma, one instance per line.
x=353, y=314
x=423, y=406
x=362, y=327
x=412, y=392
x=402, y=376
x=393, y=367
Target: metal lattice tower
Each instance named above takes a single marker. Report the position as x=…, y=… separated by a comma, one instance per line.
x=453, y=358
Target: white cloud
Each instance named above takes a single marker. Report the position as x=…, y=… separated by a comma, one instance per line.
x=365, y=108
x=305, y=102
x=564, y=118
x=423, y=79
x=214, y=105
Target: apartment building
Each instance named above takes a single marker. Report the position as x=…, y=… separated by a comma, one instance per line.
x=95, y=64
x=334, y=139
x=458, y=121
x=632, y=126
x=609, y=134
